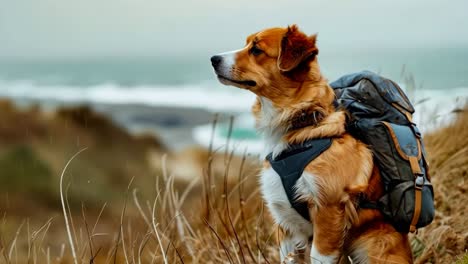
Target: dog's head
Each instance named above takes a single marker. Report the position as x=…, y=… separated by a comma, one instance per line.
x=274, y=63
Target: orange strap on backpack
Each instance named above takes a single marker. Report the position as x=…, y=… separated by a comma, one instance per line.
x=419, y=181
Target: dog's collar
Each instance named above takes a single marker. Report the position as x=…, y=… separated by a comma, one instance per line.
x=306, y=119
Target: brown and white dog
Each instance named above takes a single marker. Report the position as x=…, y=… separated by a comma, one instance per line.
x=280, y=66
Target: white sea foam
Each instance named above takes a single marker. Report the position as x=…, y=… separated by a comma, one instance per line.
x=214, y=97
x=437, y=108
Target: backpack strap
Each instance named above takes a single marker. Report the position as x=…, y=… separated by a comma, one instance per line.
x=419, y=177
x=290, y=165
x=418, y=184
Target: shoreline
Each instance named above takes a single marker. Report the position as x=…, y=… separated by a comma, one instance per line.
x=173, y=125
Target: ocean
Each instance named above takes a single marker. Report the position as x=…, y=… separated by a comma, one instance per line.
x=439, y=77
x=189, y=81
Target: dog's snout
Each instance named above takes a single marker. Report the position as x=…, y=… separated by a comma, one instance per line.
x=216, y=60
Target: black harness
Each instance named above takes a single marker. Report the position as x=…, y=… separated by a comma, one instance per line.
x=290, y=165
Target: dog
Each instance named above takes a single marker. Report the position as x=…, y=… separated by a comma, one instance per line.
x=280, y=66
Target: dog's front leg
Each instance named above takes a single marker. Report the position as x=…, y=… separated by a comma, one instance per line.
x=297, y=230
x=329, y=230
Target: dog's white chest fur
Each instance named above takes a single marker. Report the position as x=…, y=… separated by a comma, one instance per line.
x=269, y=126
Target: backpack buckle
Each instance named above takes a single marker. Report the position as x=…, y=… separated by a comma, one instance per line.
x=415, y=130
x=419, y=182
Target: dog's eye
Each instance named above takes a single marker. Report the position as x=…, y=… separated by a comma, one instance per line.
x=255, y=51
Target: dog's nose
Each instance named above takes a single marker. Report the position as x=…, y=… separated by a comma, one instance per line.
x=216, y=60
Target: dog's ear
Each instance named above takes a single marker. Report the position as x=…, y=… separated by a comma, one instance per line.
x=296, y=47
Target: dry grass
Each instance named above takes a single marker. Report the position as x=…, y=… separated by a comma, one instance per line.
x=217, y=217
x=447, y=236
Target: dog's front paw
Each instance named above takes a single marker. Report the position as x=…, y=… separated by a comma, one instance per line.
x=289, y=259
x=293, y=258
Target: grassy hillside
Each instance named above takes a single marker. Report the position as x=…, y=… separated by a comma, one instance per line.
x=35, y=145
x=196, y=206
x=447, y=236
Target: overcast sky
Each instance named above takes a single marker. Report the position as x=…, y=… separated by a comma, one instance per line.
x=75, y=28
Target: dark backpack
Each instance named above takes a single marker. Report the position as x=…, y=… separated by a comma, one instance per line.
x=380, y=115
